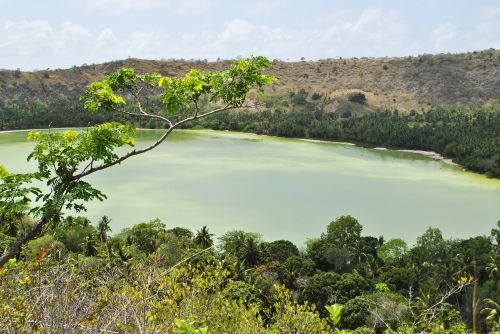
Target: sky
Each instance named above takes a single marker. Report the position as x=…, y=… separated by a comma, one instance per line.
x=61, y=33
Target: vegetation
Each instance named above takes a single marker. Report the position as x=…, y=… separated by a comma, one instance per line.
x=151, y=279
x=66, y=159
x=62, y=274
x=356, y=97
x=471, y=138
x=420, y=82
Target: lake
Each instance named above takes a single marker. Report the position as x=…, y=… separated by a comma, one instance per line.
x=283, y=188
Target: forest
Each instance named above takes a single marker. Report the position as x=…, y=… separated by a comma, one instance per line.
x=150, y=278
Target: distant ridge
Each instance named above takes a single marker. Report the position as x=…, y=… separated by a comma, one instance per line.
x=404, y=83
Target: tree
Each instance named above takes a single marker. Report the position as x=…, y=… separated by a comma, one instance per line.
x=203, y=238
x=320, y=290
x=181, y=232
x=393, y=251
x=298, y=266
x=354, y=313
x=250, y=254
x=103, y=228
x=492, y=314
x=90, y=245
x=343, y=236
x=430, y=247
x=232, y=242
x=344, y=232
x=66, y=159
x=278, y=250
x=147, y=237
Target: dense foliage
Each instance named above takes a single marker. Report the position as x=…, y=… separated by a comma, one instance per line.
x=154, y=279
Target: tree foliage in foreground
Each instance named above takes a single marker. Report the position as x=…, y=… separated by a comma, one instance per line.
x=65, y=159
x=152, y=279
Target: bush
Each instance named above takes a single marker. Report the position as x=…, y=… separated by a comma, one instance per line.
x=356, y=97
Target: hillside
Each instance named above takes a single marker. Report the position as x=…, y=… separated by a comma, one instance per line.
x=450, y=103
x=421, y=82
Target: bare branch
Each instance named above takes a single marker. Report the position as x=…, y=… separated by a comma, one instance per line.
x=144, y=114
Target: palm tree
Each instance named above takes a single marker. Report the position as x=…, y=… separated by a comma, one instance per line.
x=251, y=252
x=203, y=238
x=493, y=267
x=90, y=245
x=492, y=313
x=103, y=228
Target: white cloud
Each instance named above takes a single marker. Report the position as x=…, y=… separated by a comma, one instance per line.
x=105, y=37
x=372, y=32
x=265, y=7
x=192, y=7
x=491, y=13
x=118, y=7
x=38, y=44
x=379, y=31
x=450, y=37
x=236, y=31
x=443, y=35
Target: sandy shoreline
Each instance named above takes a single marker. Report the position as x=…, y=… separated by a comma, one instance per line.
x=432, y=155
x=326, y=141
x=429, y=154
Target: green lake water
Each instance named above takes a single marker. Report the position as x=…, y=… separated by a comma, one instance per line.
x=283, y=188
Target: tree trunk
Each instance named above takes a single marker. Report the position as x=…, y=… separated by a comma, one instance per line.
x=32, y=233
x=474, y=302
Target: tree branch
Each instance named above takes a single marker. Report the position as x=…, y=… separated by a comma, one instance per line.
x=149, y=148
x=15, y=248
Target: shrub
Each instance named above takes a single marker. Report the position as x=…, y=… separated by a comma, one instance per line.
x=356, y=97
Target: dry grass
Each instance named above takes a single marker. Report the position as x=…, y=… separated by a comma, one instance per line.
x=403, y=83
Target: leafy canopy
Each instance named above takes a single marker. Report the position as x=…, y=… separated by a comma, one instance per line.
x=228, y=87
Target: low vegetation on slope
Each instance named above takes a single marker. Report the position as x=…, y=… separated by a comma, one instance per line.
x=470, y=79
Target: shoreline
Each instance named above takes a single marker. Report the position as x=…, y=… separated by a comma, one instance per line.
x=326, y=141
x=429, y=154
x=69, y=128
x=42, y=129
x=434, y=156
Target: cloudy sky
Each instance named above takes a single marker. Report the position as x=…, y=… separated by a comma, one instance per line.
x=60, y=33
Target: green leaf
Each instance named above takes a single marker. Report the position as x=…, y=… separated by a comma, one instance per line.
x=3, y=172
x=334, y=313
